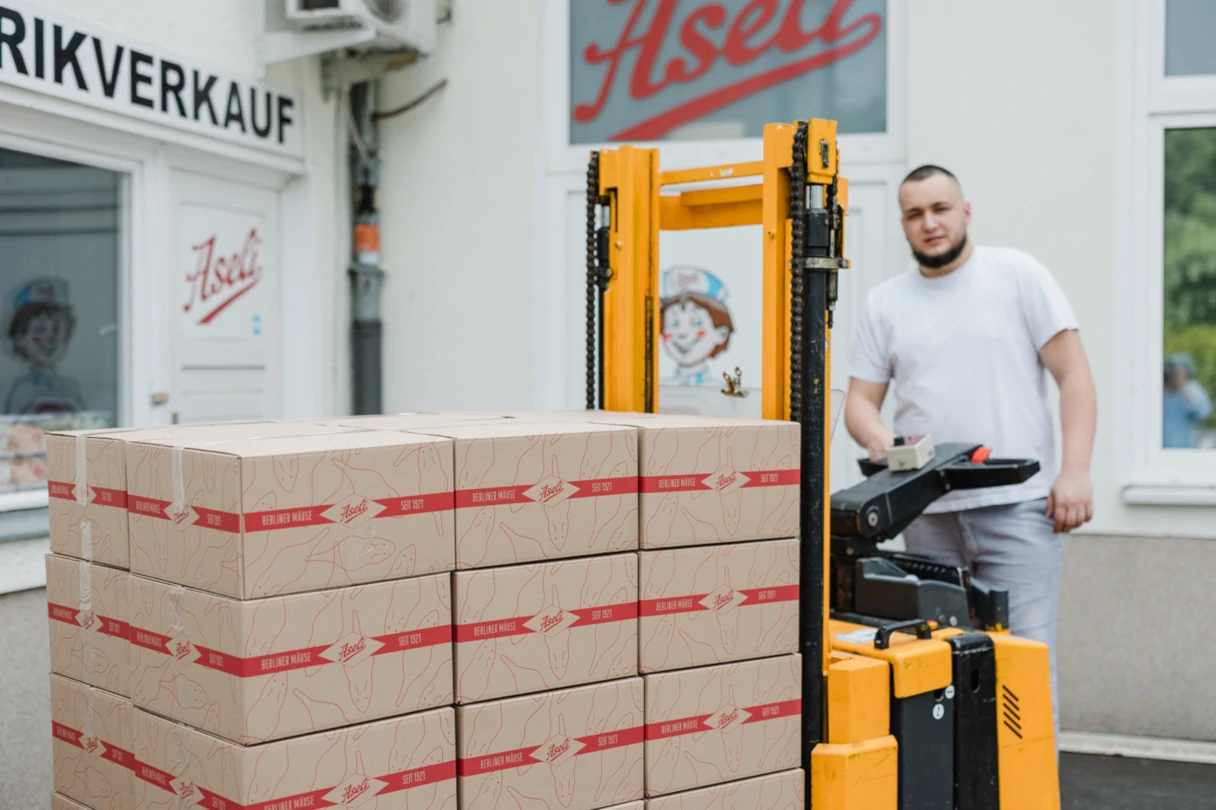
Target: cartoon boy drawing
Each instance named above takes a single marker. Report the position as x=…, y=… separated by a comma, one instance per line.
x=39, y=332
x=696, y=323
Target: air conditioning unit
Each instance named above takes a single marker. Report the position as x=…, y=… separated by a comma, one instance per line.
x=394, y=24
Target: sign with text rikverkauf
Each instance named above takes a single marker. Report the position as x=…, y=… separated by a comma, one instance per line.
x=48, y=52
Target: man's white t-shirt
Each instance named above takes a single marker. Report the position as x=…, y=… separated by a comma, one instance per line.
x=961, y=356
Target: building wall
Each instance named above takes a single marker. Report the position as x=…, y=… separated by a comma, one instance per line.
x=1020, y=100
x=224, y=33
x=459, y=187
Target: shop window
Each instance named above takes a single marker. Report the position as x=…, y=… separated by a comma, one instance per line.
x=1188, y=37
x=59, y=265
x=649, y=70
x=1189, y=273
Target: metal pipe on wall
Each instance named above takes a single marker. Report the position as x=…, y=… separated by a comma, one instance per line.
x=366, y=275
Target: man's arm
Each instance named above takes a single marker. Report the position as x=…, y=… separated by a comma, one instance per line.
x=1071, y=502
x=861, y=417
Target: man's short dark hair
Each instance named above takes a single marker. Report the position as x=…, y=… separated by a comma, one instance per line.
x=926, y=171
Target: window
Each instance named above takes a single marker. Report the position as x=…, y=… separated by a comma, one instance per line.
x=59, y=265
x=1167, y=253
x=650, y=70
x=1189, y=300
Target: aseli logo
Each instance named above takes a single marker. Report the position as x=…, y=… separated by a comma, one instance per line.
x=701, y=58
x=551, y=620
x=219, y=280
x=351, y=649
x=725, y=480
x=726, y=718
x=353, y=791
x=354, y=510
x=722, y=599
x=557, y=749
x=551, y=490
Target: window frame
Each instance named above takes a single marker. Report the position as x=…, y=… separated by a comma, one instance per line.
x=1149, y=102
x=563, y=157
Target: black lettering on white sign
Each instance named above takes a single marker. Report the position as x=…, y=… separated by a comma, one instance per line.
x=48, y=52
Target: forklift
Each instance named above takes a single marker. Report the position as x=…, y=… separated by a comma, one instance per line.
x=915, y=694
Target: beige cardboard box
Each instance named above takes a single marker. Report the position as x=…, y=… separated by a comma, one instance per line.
x=253, y=671
x=778, y=791
x=577, y=749
x=87, y=610
x=272, y=516
x=90, y=744
x=413, y=421
x=718, y=724
x=59, y=802
x=534, y=628
x=405, y=762
x=708, y=480
x=87, y=483
x=712, y=604
x=529, y=491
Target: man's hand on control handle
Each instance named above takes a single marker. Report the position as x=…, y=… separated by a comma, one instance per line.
x=879, y=441
x=1071, y=502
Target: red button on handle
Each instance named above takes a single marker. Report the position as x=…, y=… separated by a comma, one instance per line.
x=981, y=455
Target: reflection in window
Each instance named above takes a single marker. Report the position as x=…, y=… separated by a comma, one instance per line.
x=59, y=232
x=1190, y=289
x=1188, y=37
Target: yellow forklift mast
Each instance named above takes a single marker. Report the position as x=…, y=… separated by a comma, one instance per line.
x=915, y=695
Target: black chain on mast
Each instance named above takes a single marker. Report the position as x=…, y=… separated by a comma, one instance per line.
x=593, y=202
x=797, y=255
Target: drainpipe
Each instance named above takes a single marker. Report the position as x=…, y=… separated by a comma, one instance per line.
x=366, y=275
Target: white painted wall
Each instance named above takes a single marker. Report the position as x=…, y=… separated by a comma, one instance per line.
x=459, y=186
x=224, y=33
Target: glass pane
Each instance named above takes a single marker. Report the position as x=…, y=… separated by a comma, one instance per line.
x=59, y=232
x=661, y=69
x=1189, y=25
x=1190, y=288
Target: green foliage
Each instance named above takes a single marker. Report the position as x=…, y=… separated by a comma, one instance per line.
x=1190, y=250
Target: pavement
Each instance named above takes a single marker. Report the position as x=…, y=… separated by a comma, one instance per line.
x=1087, y=782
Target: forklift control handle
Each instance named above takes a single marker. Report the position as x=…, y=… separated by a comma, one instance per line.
x=882, y=638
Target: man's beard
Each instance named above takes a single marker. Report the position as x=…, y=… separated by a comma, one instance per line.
x=942, y=259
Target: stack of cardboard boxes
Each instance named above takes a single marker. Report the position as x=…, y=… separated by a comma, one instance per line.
x=427, y=610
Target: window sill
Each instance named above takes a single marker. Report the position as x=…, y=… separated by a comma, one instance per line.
x=1170, y=494
x=23, y=515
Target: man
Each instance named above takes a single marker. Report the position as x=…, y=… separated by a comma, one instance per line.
x=963, y=339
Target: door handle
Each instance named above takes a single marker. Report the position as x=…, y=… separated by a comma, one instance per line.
x=159, y=398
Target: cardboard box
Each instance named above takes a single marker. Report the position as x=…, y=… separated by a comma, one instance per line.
x=733, y=720
x=530, y=491
x=87, y=611
x=413, y=421
x=87, y=483
x=273, y=516
x=628, y=806
x=778, y=791
x=91, y=744
x=534, y=628
x=59, y=802
x=253, y=671
x=405, y=762
x=576, y=749
x=708, y=480
x=712, y=604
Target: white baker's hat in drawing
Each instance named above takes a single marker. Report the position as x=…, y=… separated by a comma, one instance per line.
x=684, y=278
x=52, y=291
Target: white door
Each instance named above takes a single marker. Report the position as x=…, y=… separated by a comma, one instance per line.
x=224, y=299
